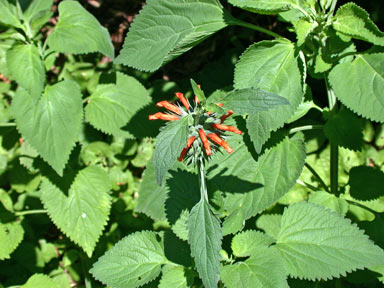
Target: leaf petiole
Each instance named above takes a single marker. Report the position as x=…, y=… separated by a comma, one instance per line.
x=30, y=212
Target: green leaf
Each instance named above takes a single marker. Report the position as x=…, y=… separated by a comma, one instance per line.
x=263, y=270
x=205, y=240
x=165, y=29
x=36, y=7
x=170, y=141
x=330, y=201
x=303, y=28
x=361, y=81
x=251, y=100
x=252, y=186
x=264, y=6
x=318, y=243
x=52, y=124
x=270, y=223
x=249, y=242
x=344, y=129
x=132, y=262
x=11, y=234
x=6, y=200
x=271, y=66
x=176, y=278
x=259, y=129
x=82, y=212
x=27, y=67
x=40, y=281
x=8, y=14
x=198, y=92
x=366, y=183
x=112, y=106
x=180, y=226
x=354, y=21
x=78, y=32
x=152, y=197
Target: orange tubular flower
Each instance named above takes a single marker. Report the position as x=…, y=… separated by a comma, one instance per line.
x=185, y=150
x=162, y=116
x=222, y=119
x=182, y=99
x=215, y=138
x=169, y=106
x=227, y=128
x=205, y=142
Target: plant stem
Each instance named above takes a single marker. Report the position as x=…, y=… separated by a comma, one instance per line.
x=253, y=27
x=30, y=212
x=87, y=279
x=7, y=124
x=201, y=174
x=334, y=161
x=317, y=176
x=304, y=128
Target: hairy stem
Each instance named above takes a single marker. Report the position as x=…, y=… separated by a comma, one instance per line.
x=238, y=22
x=30, y=212
x=304, y=128
x=201, y=174
x=7, y=124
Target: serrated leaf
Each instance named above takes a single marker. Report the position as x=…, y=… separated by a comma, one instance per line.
x=175, y=277
x=152, y=197
x=82, y=214
x=11, y=234
x=303, y=28
x=361, y=81
x=254, y=191
x=271, y=66
x=8, y=14
x=259, y=130
x=51, y=124
x=198, y=92
x=354, y=21
x=366, y=183
x=78, y=32
x=36, y=7
x=6, y=200
x=132, y=262
x=318, y=243
x=204, y=237
x=180, y=226
x=40, y=281
x=26, y=67
x=112, y=106
x=263, y=270
x=344, y=129
x=249, y=242
x=270, y=223
x=264, y=6
x=169, y=143
x=251, y=101
x=165, y=29
x=330, y=201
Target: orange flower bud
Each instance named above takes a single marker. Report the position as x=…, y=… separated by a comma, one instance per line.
x=227, y=128
x=162, y=116
x=220, y=104
x=215, y=138
x=229, y=113
x=182, y=99
x=185, y=150
x=206, y=144
x=169, y=106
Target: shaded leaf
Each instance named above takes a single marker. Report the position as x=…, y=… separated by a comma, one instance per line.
x=330, y=201
x=366, y=183
x=11, y=234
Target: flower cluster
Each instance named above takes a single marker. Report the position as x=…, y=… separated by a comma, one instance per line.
x=206, y=132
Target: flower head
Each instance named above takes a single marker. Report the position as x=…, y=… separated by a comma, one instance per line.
x=206, y=134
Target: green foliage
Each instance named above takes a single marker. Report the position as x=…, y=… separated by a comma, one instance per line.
x=111, y=107
x=165, y=29
x=176, y=277
x=82, y=212
x=170, y=141
x=316, y=243
x=366, y=183
x=330, y=201
x=69, y=35
x=50, y=123
x=270, y=223
x=271, y=66
x=25, y=59
x=246, y=243
x=352, y=89
x=40, y=281
x=354, y=21
x=132, y=262
x=8, y=14
x=264, y=6
x=263, y=269
x=204, y=236
x=11, y=234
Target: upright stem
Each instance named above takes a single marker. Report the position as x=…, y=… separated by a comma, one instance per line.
x=334, y=161
x=201, y=174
